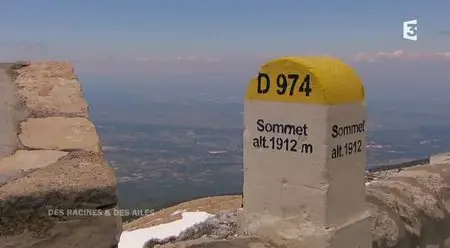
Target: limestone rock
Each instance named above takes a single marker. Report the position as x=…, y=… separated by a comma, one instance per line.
x=8, y=176
x=79, y=180
x=28, y=160
x=90, y=232
x=411, y=207
x=22, y=162
x=51, y=89
x=59, y=133
x=384, y=229
x=11, y=112
x=59, y=166
x=242, y=242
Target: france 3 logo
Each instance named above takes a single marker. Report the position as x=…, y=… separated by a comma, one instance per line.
x=410, y=30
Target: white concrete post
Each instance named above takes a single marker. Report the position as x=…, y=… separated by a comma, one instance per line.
x=305, y=154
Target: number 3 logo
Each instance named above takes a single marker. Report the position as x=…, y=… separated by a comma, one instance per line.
x=412, y=29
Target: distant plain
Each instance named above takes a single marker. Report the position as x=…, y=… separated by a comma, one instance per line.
x=162, y=139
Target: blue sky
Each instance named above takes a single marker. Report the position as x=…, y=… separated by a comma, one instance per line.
x=231, y=36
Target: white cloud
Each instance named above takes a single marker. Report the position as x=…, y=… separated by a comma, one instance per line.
x=143, y=59
x=445, y=55
x=213, y=60
x=399, y=55
x=187, y=59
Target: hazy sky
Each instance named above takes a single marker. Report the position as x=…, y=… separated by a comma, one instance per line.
x=228, y=36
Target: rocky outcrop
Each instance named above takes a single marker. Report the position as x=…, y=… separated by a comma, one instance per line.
x=411, y=208
x=51, y=162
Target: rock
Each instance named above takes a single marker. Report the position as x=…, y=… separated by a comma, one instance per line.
x=22, y=162
x=411, y=208
x=385, y=231
x=446, y=243
x=51, y=89
x=241, y=242
x=27, y=160
x=87, y=232
x=220, y=226
x=59, y=133
x=11, y=112
x=8, y=176
x=56, y=191
x=79, y=180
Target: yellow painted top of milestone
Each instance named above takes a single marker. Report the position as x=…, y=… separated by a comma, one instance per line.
x=315, y=80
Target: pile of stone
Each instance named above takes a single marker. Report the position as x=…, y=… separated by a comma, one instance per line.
x=221, y=226
x=383, y=174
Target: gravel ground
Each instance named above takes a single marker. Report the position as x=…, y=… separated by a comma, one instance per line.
x=370, y=176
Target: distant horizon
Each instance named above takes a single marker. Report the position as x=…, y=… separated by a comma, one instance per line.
x=232, y=38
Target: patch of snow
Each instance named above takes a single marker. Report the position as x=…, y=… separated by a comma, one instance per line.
x=137, y=238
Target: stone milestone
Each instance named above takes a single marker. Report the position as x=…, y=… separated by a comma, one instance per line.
x=305, y=154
